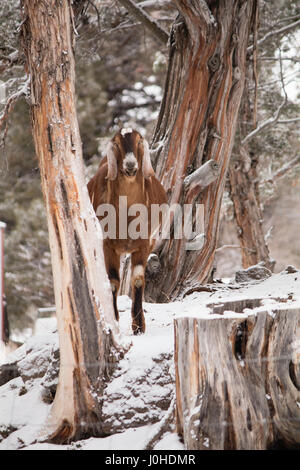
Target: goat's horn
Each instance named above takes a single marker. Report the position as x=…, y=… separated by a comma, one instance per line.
x=147, y=165
x=111, y=162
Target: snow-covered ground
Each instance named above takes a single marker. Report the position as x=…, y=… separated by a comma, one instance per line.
x=142, y=386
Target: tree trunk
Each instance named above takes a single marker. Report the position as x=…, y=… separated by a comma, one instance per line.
x=244, y=394
x=197, y=122
x=248, y=214
x=244, y=181
x=86, y=326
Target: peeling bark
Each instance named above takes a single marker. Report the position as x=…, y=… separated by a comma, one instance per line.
x=197, y=123
x=248, y=214
x=244, y=192
x=86, y=325
x=243, y=177
x=245, y=393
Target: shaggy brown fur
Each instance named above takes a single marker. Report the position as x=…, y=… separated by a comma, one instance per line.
x=137, y=181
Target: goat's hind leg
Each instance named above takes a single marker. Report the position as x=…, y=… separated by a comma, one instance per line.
x=138, y=263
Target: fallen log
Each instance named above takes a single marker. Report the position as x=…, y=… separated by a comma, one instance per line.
x=238, y=378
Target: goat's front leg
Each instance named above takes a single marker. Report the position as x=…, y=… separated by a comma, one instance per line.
x=138, y=264
x=112, y=262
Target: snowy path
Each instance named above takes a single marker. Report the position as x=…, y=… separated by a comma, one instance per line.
x=142, y=386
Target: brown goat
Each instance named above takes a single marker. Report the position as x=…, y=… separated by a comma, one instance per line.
x=127, y=171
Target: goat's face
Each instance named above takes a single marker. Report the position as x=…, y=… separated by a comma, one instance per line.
x=128, y=154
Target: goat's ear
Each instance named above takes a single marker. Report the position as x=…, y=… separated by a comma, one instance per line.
x=147, y=165
x=111, y=162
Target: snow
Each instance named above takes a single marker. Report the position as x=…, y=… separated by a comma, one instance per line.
x=141, y=389
x=170, y=441
x=133, y=439
x=25, y=413
x=274, y=292
x=143, y=381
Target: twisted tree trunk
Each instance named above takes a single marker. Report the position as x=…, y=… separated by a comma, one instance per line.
x=248, y=214
x=244, y=184
x=86, y=325
x=197, y=122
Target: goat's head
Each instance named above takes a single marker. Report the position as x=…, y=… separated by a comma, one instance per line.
x=128, y=154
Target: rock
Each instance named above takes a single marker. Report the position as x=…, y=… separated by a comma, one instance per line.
x=50, y=380
x=290, y=270
x=254, y=273
x=31, y=360
x=38, y=357
x=137, y=397
x=9, y=370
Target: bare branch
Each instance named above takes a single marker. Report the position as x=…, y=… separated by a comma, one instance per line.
x=292, y=59
x=289, y=18
x=121, y=26
x=9, y=105
x=97, y=12
x=225, y=247
x=282, y=77
x=282, y=171
x=155, y=3
x=274, y=119
x=203, y=176
x=9, y=60
x=163, y=426
x=196, y=182
x=146, y=19
x=265, y=85
x=269, y=233
x=255, y=69
x=271, y=33
x=267, y=123
x=288, y=121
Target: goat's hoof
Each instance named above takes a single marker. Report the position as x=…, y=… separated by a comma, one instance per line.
x=138, y=330
x=117, y=316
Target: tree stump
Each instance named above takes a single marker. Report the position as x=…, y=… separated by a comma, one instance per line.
x=238, y=378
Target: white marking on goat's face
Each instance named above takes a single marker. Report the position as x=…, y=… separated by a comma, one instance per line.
x=130, y=164
x=126, y=130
